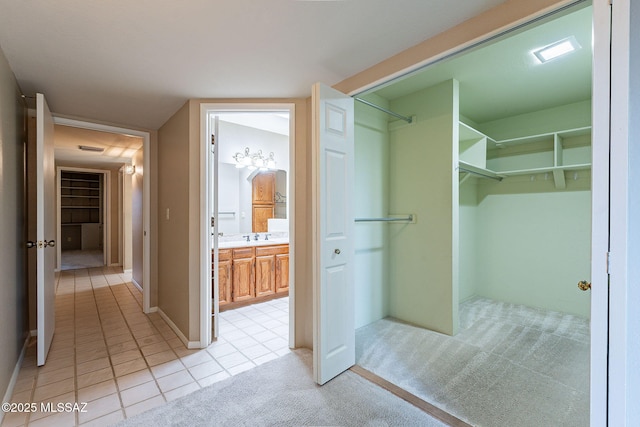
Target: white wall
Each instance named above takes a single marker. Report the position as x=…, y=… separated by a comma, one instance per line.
x=228, y=198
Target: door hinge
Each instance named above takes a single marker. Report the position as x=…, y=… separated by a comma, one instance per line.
x=608, y=262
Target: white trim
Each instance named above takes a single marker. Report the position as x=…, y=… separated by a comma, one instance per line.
x=600, y=213
x=134, y=283
x=185, y=341
x=623, y=330
x=14, y=377
x=205, y=262
x=146, y=192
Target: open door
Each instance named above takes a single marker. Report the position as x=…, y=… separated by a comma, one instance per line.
x=213, y=208
x=333, y=181
x=45, y=228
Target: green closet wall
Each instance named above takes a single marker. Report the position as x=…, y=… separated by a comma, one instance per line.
x=371, y=200
x=531, y=241
x=423, y=256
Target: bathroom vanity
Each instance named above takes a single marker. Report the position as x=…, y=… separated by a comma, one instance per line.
x=251, y=272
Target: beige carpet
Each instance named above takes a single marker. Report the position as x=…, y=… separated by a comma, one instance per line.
x=76, y=259
x=509, y=365
x=282, y=393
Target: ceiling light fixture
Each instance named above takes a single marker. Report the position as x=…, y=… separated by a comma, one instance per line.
x=557, y=49
x=255, y=160
x=129, y=169
x=90, y=148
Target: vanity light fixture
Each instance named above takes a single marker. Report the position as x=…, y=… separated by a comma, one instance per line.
x=255, y=160
x=129, y=169
x=557, y=49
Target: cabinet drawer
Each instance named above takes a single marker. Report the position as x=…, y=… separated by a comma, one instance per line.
x=272, y=250
x=224, y=254
x=243, y=253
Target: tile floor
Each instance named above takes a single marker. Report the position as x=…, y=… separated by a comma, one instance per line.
x=106, y=352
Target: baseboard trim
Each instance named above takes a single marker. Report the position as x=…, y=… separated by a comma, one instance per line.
x=403, y=394
x=136, y=284
x=153, y=310
x=14, y=377
x=185, y=341
x=128, y=271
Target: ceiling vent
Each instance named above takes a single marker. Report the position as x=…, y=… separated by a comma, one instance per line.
x=90, y=148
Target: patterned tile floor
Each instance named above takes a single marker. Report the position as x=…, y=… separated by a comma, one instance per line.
x=108, y=353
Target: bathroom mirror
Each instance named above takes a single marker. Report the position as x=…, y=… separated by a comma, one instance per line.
x=247, y=199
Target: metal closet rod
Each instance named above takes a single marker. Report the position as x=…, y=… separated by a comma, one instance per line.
x=377, y=107
x=387, y=219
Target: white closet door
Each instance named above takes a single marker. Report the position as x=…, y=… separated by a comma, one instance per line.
x=45, y=228
x=333, y=175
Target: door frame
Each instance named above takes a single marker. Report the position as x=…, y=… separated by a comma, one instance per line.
x=206, y=109
x=146, y=195
x=602, y=27
x=106, y=211
x=624, y=348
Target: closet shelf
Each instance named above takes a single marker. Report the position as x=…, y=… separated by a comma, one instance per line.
x=583, y=166
x=478, y=171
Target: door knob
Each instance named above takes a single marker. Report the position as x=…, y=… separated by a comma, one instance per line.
x=50, y=243
x=583, y=285
x=337, y=252
x=31, y=244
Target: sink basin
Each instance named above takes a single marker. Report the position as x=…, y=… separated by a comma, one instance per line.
x=244, y=243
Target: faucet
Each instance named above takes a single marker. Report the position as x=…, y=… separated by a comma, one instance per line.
x=266, y=236
x=256, y=237
x=246, y=237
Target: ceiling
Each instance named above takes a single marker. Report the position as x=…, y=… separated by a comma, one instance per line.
x=134, y=63
x=118, y=148
x=503, y=78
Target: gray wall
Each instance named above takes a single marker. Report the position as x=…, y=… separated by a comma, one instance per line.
x=13, y=315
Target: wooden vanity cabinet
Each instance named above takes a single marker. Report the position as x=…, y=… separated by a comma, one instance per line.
x=224, y=276
x=267, y=275
x=243, y=278
x=252, y=274
x=263, y=200
x=282, y=272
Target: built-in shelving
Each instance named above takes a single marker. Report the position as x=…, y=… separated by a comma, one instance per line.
x=554, y=152
x=80, y=197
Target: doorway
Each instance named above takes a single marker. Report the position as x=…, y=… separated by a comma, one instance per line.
x=124, y=153
x=501, y=236
x=249, y=216
x=84, y=218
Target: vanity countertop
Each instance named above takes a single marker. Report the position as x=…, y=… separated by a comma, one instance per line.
x=240, y=240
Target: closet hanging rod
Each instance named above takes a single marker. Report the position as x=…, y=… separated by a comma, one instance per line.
x=377, y=107
x=408, y=218
x=484, y=175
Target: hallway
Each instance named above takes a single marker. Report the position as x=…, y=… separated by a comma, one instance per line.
x=121, y=362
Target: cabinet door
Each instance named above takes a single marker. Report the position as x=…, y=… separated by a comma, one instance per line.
x=265, y=275
x=260, y=216
x=282, y=273
x=243, y=279
x=263, y=186
x=224, y=287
